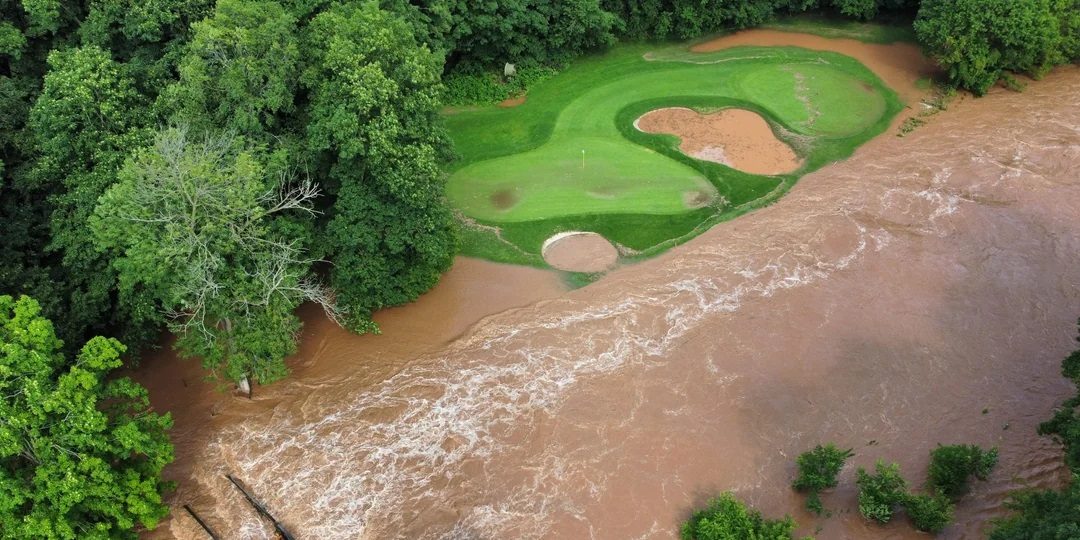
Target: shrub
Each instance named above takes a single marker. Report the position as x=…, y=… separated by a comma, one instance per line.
x=930, y=513
x=490, y=87
x=817, y=471
x=727, y=518
x=978, y=41
x=951, y=466
x=1065, y=424
x=1051, y=515
x=880, y=493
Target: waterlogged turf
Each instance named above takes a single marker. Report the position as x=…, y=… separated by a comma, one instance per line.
x=522, y=175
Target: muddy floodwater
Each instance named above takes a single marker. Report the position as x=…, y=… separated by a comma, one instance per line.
x=923, y=291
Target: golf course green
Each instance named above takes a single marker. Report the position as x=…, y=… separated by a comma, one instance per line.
x=571, y=159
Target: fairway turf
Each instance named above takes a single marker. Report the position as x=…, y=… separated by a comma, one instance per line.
x=521, y=177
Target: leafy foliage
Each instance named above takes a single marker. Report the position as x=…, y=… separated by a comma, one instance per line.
x=1065, y=424
x=353, y=105
x=81, y=453
x=373, y=115
x=87, y=118
x=880, y=493
x=477, y=35
x=727, y=518
x=930, y=513
x=467, y=89
x=818, y=469
x=978, y=41
x=1042, y=515
x=952, y=465
x=684, y=19
x=201, y=232
x=239, y=71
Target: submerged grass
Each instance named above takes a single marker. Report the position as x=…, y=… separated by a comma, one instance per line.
x=520, y=177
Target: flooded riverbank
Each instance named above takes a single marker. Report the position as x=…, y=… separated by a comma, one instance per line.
x=883, y=304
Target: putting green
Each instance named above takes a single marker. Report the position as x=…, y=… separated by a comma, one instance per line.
x=523, y=175
x=551, y=181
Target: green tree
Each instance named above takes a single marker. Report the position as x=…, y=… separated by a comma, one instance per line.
x=818, y=469
x=476, y=35
x=374, y=120
x=1065, y=424
x=1041, y=515
x=81, y=452
x=206, y=234
x=952, y=465
x=147, y=36
x=880, y=493
x=84, y=123
x=684, y=19
x=929, y=513
x=240, y=70
x=727, y=518
x=978, y=41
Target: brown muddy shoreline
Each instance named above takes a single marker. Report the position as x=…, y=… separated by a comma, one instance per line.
x=890, y=298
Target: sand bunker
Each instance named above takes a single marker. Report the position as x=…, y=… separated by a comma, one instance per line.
x=738, y=138
x=580, y=252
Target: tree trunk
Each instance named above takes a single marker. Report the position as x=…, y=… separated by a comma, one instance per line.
x=244, y=386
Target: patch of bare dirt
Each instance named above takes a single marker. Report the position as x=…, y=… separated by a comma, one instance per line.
x=512, y=101
x=738, y=138
x=696, y=199
x=504, y=199
x=580, y=252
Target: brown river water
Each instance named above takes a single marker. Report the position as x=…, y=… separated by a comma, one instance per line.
x=923, y=291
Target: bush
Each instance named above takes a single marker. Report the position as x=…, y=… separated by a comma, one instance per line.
x=930, y=513
x=951, y=466
x=817, y=471
x=1050, y=515
x=490, y=87
x=978, y=41
x=1064, y=426
x=726, y=518
x=880, y=493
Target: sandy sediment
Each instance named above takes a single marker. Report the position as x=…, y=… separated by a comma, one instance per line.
x=738, y=138
x=578, y=251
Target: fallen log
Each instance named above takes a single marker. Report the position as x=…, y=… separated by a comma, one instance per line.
x=281, y=530
x=209, y=531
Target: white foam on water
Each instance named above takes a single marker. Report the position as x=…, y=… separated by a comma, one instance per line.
x=355, y=472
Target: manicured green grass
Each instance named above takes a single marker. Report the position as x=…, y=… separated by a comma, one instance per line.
x=520, y=178
x=558, y=180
